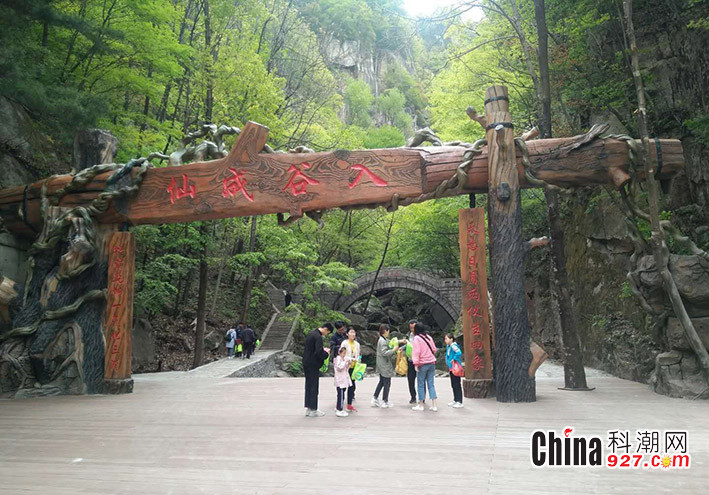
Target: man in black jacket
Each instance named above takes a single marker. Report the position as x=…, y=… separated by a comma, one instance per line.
x=337, y=339
x=314, y=356
x=249, y=337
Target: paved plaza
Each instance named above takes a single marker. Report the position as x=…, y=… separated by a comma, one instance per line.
x=192, y=433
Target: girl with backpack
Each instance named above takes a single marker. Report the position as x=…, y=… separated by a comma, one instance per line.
x=342, y=379
x=385, y=367
x=424, y=359
x=453, y=356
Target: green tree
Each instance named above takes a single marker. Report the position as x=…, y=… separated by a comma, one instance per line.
x=359, y=99
x=386, y=136
x=391, y=104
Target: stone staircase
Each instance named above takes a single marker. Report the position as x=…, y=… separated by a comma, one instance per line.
x=278, y=333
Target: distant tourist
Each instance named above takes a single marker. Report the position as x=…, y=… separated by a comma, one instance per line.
x=337, y=338
x=230, y=338
x=385, y=367
x=411, y=370
x=424, y=358
x=239, y=341
x=314, y=356
x=453, y=356
x=353, y=352
x=288, y=298
x=249, y=337
x=341, y=364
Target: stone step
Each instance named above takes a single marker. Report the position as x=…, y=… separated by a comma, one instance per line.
x=279, y=331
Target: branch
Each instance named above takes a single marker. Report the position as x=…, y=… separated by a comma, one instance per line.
x=480, y=119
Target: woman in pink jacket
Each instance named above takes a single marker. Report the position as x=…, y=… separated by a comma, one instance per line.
x=424, y=359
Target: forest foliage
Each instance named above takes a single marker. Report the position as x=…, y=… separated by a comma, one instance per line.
x=321, y=73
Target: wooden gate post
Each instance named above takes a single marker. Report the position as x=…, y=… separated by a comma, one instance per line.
x=118, y=322
x=507, y=253
x=476, y=318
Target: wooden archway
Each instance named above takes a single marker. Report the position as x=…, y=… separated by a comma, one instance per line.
x=250, y=182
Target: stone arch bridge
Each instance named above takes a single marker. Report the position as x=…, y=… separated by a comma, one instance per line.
x=445, y=291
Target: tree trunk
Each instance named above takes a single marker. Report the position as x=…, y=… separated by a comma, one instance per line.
x=657, y=239
x=250, y=278
x=208, y=99
x=92, y=147
x=222, y=265
x=201, y=303
x=238, y=249
x=513, y=356
x=574, y=373
x=381, y=263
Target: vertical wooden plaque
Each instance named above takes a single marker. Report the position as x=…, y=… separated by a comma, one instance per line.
x=119, y=312
x=476, y=317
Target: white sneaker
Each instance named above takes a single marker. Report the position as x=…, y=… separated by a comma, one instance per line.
x=376, y=403
x=458, y=405
x=417, y=407
x=433, y=408
x=316, y=414
x=388, y=404
x=307, y=412
x=342, y=414
x=452, y=404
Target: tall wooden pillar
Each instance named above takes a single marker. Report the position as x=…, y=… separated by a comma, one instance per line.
x=507, y=252
x=476, y=318
x=118, y=323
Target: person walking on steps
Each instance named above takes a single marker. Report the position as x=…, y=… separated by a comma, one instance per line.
x=410, y=370
x=453, y=355
x=385, y=367
x=230, y=338
x=424, y=358
x=353, y=352
x=341, y=364
x=314, y=355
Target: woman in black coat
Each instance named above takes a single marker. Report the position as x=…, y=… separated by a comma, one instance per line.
x=314, y=355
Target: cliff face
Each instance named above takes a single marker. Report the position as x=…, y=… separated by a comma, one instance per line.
x=26, y=154
x=616, y=333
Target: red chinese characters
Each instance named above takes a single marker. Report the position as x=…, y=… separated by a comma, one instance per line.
x=477, y=363
x=116, y=287
x=176, y=192
x=378, y=181
x=473, y=294
x=299, y=182
x=235, y=184
x=475, y=329
x=474, y=311
x=473, y=268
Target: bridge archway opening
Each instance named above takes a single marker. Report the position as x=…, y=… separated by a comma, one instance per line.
x=417, y=287
x=396, y=306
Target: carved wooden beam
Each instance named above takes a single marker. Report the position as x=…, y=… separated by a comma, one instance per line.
x=249, y=182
